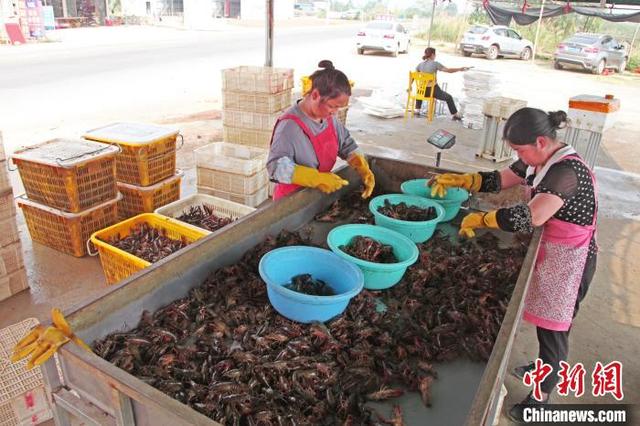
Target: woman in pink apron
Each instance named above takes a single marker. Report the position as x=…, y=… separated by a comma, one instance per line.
x=563, y=202
x=307, y=139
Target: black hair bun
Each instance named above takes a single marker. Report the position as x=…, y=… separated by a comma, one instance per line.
x=326, y=64
x=557, y=119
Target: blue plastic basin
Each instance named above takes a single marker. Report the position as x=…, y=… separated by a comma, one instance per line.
x=280, y=265
x=418, y=232
x=377, y=276
x=451, y=202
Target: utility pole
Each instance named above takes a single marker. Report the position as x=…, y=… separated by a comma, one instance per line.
x=535, y=43
x=268, y=57
x=433, y=12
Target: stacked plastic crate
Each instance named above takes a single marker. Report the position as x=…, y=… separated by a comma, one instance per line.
x=13, y=278
x=233, y=172
x=252, y=99
x=23, y=400
x=146, y=165
x=71, y=192
x=496, y=111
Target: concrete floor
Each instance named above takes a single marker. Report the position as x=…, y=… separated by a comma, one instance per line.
x=606, y=328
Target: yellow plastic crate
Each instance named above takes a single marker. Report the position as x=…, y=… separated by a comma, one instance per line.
x=256, y=102
x=68, y=174
x=145, y=199
x=67, y=232
x=118, y=264
x=249, y=137
x=148, y=153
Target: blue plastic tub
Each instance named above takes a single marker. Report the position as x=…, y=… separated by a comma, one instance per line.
x=451, y=202
x=418, y=232
x=377, y=276
x=280, y=265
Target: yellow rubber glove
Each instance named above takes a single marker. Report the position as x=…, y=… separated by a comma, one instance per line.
x=476, y=221
x=358, y=162
x=312, y=178
x=469, y=181
x=43, y=342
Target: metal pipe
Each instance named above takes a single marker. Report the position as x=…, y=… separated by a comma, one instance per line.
x=535, y=43
x=268, y=56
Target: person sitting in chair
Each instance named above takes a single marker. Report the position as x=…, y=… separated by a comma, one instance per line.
x=429, y=65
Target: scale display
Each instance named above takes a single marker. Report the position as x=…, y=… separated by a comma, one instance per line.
x=442, y=139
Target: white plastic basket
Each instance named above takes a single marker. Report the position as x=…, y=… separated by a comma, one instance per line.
x=257, y=79
x=231, y=158
x=22, y=397
x=231, y=182
x=256, y=102
x=250, y=137
x=250, y=120
x=253, y=200
x=221, y=207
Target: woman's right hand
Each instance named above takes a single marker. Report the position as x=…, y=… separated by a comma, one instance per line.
x=312, y=178
x=440, y=183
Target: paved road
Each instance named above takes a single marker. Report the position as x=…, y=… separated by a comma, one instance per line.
x=98, y=75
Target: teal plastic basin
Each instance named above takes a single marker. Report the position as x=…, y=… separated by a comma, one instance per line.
x=418, y=232
x=377, y=276
x=451, y=202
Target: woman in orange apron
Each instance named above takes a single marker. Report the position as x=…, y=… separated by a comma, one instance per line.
x=307, y=139
x=563, y=202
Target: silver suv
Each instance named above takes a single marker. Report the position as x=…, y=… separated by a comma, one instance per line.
x=593, y=52
x=495, y=41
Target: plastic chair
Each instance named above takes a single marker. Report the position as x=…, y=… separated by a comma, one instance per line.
x=423, y=90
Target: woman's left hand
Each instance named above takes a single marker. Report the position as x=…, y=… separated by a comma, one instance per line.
x=358, y=162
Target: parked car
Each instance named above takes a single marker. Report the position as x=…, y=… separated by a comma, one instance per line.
x=383, y=36
x=593, y=52
x=350, y=14
x=495, y=41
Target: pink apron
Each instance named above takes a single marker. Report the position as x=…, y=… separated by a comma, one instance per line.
x=325, y=145
x=557, y=274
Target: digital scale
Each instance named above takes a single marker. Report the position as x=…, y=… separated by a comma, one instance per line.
x=441, y=139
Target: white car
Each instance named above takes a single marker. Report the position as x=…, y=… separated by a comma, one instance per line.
x=495, y=41
x=383, y=36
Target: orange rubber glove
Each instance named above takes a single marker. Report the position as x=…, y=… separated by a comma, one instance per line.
x=476, y=221
x=312, y=178
x=469, y=181
x=43, y=342
x=358, y=162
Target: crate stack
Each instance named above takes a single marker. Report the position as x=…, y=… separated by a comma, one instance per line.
x=478, y=86
x=496, y=111
x=71, y=192
x=23, y=400
x=13, y=277
x=233, y=172
x=145, y=165
x=252, y=100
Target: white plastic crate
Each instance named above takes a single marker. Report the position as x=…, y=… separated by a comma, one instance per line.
x=22, y=397
x=221, y=207
x=257, y=79
x=231, y=182
x=250, y=137
x=11, y=284
x=231, y=158
x=253, y=200
x=502, y=107
x=250, y=120
x=256, y=102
